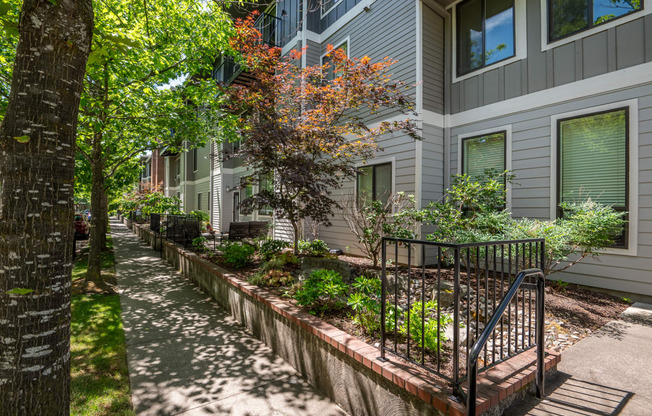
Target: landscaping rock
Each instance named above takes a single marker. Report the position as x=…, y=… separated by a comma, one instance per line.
x=447, y=295
x=310, y=264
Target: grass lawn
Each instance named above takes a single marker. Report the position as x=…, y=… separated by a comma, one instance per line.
x=100, y=379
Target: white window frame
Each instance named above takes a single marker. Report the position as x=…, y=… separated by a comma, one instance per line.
x=346, y=40
x=632, y=105
x=508, y=153
x=545, y=45
x=330, y=9
x=520, y=41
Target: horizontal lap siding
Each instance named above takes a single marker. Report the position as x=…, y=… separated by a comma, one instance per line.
x=402, y=148
x=389, y=29
x=606, y=51
x=531, y=191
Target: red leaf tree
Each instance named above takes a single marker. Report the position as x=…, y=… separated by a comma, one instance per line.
x=306, y=129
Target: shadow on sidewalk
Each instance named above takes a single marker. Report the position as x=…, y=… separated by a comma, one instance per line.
x=569, y=396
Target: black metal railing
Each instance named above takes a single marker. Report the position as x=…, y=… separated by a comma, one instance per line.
x=539, y=286
x=269, y=26
x=438, y=298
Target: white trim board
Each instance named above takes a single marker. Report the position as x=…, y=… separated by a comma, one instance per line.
x=508, y=152
x=634, y=76
x=585, y=33
x=633, y=167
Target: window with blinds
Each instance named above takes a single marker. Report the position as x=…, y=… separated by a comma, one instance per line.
x=593, y=160
x=482, y=153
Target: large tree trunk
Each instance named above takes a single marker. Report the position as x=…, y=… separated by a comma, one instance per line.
x=98, y=232
x=37, y=161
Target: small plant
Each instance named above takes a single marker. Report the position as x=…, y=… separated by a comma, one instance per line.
x=365, y=303
x=198, y=244
x=272, y=278
x=201, y=216
x=424, y=327
x=270, y=248
x=238, y=255
x=313, y=248
x=323, y=291
x=562, y=285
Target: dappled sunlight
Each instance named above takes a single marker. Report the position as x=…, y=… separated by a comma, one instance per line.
x=187, y=356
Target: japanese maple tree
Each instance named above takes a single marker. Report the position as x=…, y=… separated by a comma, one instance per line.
x=306, y=129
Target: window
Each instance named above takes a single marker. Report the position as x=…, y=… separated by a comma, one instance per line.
x=266, y=184
x=566, y=17
x=327, y=5
x=592, y=161
x=194, y=159
x=374, y=183
x=485, y=33
x=327, y=59
x=482, y=153
x=178, y=167
x=209, y=201
x=199, y=201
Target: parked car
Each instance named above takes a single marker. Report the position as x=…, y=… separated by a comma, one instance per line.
x=82, y=227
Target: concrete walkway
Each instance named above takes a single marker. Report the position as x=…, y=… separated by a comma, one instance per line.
x=187, y=356
x=608, y=373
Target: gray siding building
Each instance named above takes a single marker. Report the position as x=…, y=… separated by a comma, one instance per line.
x=515, y=84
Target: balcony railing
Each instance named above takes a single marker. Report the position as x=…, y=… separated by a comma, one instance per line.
x=269, y=26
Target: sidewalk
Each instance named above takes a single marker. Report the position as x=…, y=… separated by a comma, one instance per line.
x=608, y=373
x=188, y=357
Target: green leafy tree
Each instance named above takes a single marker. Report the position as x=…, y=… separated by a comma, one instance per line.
x=139, y=49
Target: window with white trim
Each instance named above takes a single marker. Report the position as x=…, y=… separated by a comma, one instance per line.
x=593, y=161
x=485, y=33
x=567, y=17
x=483, y=153
x=328, y=59
x=327, y=5
x=374, y=183
x=266, y=183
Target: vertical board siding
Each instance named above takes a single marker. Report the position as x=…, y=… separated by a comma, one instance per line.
x=531, y=191
x=433, y=60
x=610, y=50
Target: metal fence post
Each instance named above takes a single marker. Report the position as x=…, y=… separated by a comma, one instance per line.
x=383, y=300
x=456, y=325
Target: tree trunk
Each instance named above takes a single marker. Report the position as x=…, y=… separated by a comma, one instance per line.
x=98, y=232
x=37, y=162
x=295, y=228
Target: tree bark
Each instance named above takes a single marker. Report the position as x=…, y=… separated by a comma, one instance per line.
x=37, y=162
x=98, y=233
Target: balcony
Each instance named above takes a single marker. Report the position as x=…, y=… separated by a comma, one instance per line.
x=227, y=71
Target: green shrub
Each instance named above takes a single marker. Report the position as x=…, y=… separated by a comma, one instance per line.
x=313, y=248
x=201, y=215
x=270, y=248
x=272, y=278
x=198, y=244
x=237, y=255
x=323, y=291
x=424, y=328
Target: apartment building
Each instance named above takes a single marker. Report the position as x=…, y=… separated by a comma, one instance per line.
x=558, y=93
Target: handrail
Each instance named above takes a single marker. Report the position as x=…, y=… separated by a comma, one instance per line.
x=491, y=326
